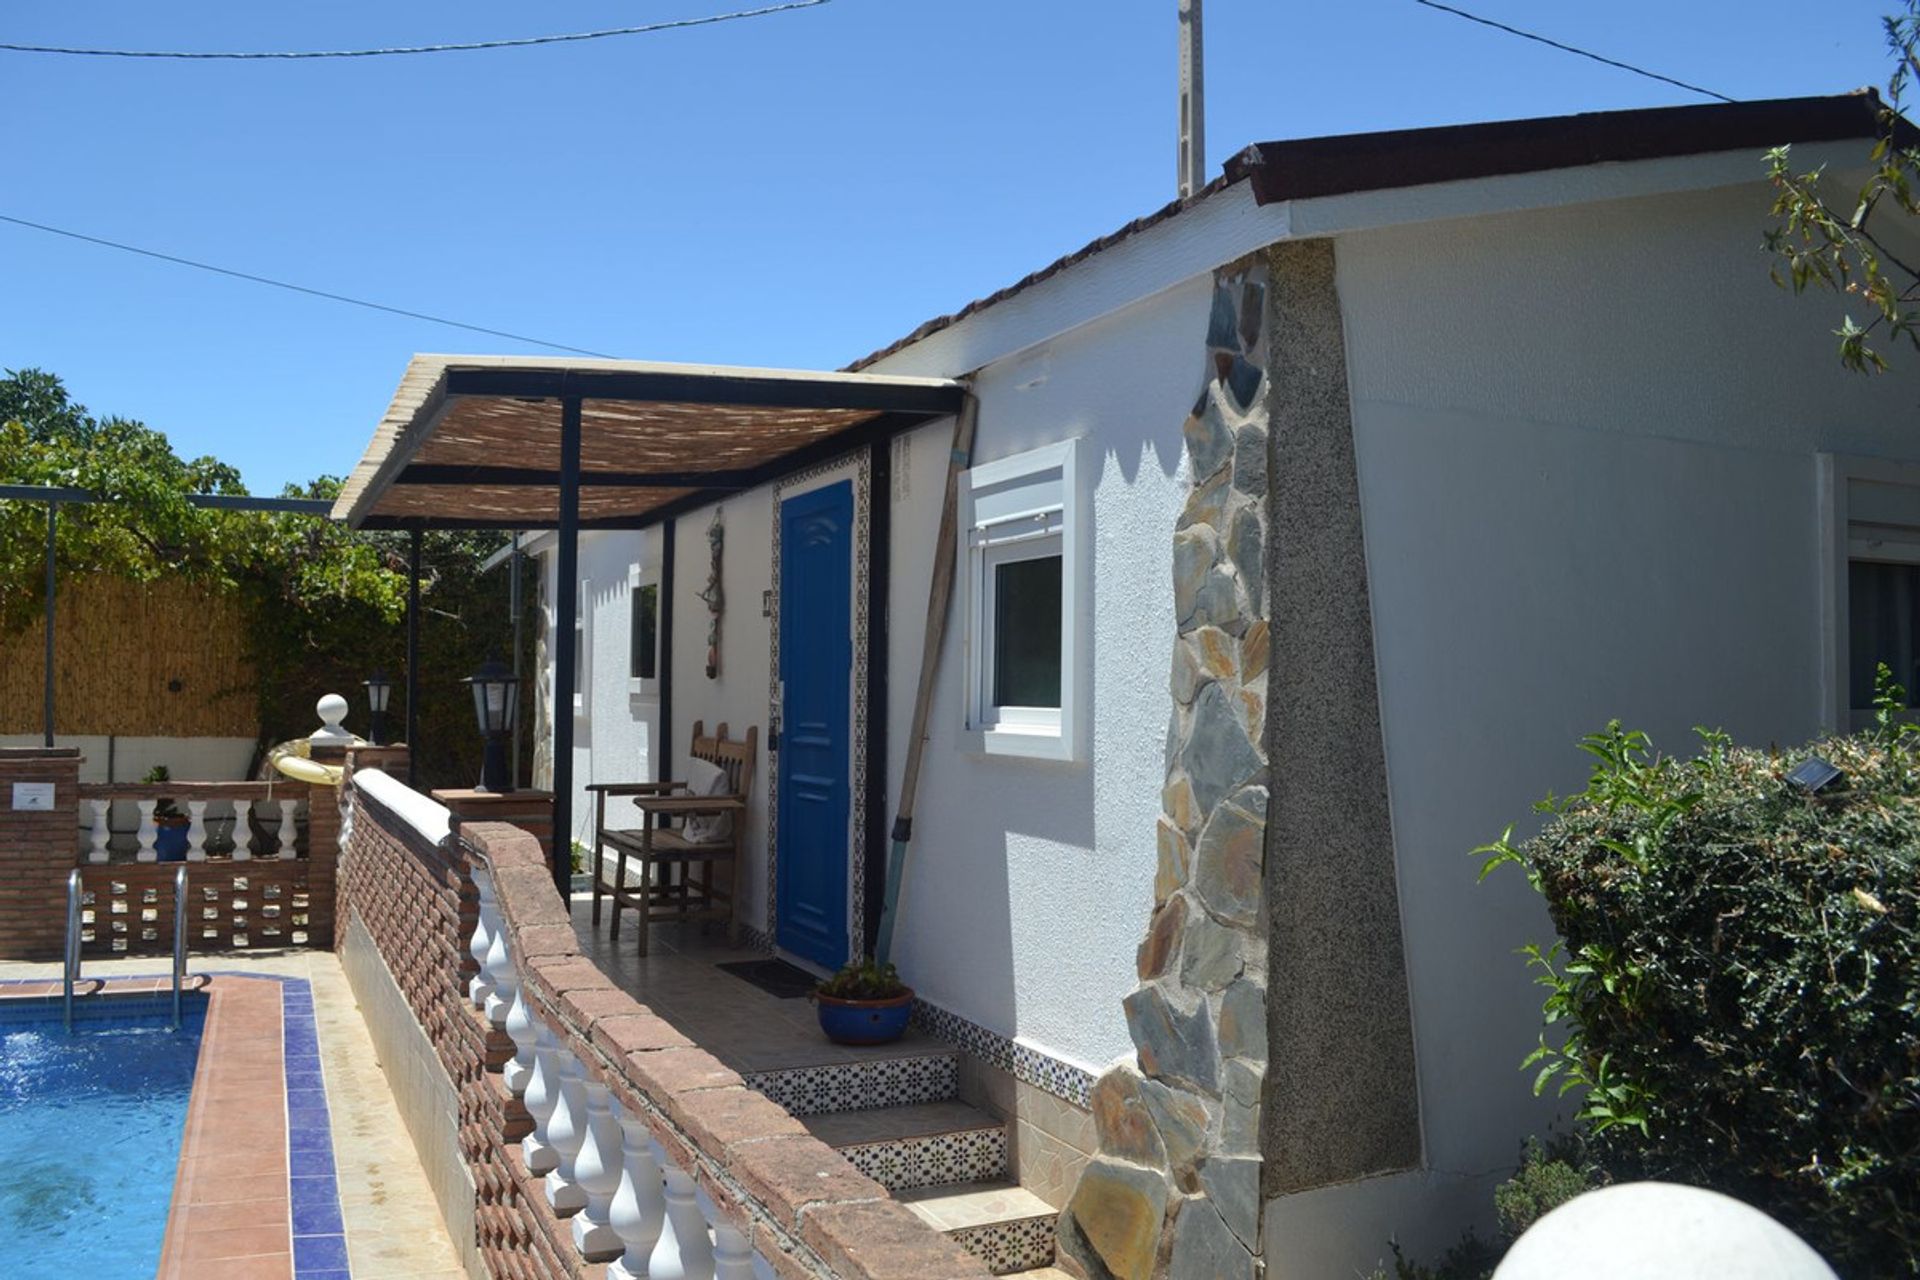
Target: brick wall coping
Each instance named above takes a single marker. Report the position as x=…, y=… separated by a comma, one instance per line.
x=287, y=788
x=810, y=1211
x=430, y=820
x=38, y=753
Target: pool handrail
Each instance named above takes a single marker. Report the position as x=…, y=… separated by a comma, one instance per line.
x=70, y=960
x=179, y=937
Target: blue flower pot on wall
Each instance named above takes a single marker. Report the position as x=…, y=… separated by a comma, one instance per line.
x=864, y=1021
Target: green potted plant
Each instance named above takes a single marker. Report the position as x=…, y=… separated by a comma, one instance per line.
x=864, y=1003
x=170, y=840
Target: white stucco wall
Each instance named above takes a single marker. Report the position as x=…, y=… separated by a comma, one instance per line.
x=1585, y=441
x=1031, y=881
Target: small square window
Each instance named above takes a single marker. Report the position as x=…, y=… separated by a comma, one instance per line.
x=643, y=631
x=1019, y=571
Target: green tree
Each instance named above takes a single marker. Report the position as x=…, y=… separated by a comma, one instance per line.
x=1838, y=241
x=323, y=605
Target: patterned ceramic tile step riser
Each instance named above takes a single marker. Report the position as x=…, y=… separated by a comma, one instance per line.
x=975, y=1155
x=856, y=1086
x=1004, y=1225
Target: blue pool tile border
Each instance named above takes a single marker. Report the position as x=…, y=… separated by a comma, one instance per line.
x=313, y=1190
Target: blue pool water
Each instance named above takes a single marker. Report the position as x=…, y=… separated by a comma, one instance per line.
x=90, y=1127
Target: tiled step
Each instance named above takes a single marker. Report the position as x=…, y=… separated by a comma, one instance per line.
x=862, y=1084
x=921, y=1145
x=1001, y=1223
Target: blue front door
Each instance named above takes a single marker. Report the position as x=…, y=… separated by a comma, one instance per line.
x=816, y=661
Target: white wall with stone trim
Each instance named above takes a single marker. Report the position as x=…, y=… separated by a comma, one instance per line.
x=1585, y=440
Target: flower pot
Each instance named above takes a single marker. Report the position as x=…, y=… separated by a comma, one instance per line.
x=864, y=1021
x=170, y=840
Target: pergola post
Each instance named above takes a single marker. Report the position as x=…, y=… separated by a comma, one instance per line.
x=663, y=766
x=565, y=663
x=513, y=603
x=53, y=518
x=413, y=658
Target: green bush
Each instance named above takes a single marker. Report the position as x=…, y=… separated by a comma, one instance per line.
x=1548, y=1177
x=1736, y=999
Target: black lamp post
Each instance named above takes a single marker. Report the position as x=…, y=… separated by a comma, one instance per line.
x=496, y=697
x=379, y=689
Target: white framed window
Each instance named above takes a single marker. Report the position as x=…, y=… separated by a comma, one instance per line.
x=1020, y=574
x=643, y=634
x=1872, y=582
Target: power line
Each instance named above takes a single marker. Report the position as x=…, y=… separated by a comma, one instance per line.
x=298, y=288
x=1567, y=48
x=521, y=43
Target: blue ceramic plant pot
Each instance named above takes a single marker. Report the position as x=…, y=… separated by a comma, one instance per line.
x=864, y=1021
x=170, y=842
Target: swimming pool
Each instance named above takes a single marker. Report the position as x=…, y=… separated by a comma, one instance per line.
x=90, y=1128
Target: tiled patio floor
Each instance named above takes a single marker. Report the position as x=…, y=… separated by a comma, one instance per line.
x=742, y=1025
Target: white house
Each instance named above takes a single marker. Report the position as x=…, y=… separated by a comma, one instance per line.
x=1308, y=524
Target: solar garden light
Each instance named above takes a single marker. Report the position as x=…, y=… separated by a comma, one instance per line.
x=379, y=689
x=496, y=697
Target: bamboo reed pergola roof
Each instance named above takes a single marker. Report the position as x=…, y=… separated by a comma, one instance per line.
x=476, y=441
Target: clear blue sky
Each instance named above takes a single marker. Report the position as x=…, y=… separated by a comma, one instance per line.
x=793, y=190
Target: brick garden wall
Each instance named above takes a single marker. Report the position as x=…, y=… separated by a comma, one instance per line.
x=808, y=1212
x=37, y=850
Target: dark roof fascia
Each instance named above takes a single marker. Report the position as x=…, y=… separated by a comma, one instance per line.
x=1308, y=168
x=1410, y=157
x=684, y=388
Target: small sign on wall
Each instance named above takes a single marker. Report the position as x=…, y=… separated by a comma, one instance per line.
x=33, y=796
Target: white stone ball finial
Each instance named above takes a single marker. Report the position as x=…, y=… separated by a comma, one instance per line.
x=1659, y=1231
x=332, y=709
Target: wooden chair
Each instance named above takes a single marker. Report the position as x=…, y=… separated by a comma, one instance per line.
x=655, y=869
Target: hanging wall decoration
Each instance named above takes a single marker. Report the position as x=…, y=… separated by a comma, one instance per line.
x=715, y=537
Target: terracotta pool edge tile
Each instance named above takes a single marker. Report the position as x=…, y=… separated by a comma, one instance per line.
x=236, y=1009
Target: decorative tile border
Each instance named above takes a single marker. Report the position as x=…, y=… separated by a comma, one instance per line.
x=319, y=1233
x=862, y=464
x=856, y=1086
x=933, y=1160
x=1030, y=1066
x=1006, y=1247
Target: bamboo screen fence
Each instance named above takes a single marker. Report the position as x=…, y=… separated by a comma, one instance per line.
x=162, y=659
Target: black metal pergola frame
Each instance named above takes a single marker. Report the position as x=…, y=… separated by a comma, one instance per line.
x=56, y=495
x=896, y=405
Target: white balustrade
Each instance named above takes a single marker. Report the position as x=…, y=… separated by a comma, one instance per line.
x=565, y=1132
x=196, y=831
x=639, y=1210
x=149, y=833
x=478, y=946
x=598, y=1169
x=540, y=1098
x=97, y=834
x=685, y=1251
x=732, y=1254
x=502, y=982
x=287, y=829
x=242, y=830
x=520, y=1026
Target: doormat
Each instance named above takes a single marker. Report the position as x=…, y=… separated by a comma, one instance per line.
x=775, y=977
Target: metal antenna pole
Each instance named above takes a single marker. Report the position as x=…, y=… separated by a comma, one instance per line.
x=1193, y=101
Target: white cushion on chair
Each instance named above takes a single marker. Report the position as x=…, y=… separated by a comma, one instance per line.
x=705, y=778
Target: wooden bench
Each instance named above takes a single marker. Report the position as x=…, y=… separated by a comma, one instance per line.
x=654, y=868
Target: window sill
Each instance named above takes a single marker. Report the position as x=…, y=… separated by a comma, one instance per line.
x=1026, y=744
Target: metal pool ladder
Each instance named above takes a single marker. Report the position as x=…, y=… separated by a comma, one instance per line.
x=179, y=938
x=70, y=969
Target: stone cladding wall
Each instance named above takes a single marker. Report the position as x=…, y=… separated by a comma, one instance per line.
x=1174, y=1188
